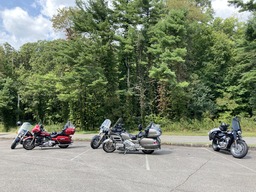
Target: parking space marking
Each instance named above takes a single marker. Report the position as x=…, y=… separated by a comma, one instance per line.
x=79, y=155
x=248, y=168
x=147, y=163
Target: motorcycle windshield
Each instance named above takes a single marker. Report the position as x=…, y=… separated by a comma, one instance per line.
x=105, y=125
x=26, y=126
x=69, y=124
x=153, y=126
x=236, y=124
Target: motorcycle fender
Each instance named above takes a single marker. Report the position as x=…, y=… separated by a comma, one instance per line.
x=95, y=136
x=17, y=139
x=235, y=142
x=29, y=137
x=108, y=140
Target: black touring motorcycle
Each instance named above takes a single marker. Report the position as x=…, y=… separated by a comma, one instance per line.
x=231, y=140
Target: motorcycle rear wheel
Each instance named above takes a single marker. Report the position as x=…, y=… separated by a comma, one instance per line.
x=63, y=146
x=28, y=144
x=215, y=145
x=239, y=150
x=109, y=147
x=148, y=151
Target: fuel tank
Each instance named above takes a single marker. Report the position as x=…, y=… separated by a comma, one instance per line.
x=125, y=136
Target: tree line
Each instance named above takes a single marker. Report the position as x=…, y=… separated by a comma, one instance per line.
x=136, y=59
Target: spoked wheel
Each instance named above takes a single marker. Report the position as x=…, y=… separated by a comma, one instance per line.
x=95, y=142
x=28, y=144
x=148, y=151
x=109, y=147
x=239, y=149
x=215, y=145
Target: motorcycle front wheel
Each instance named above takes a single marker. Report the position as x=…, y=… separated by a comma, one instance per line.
x=28, y=144
x=109, y=147
x=14, y=143
x=239, y=149
x=95, y=142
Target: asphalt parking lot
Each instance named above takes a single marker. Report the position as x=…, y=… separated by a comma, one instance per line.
x=80, y=168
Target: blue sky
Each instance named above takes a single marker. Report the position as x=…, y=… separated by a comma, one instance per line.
x=27, y=5
x=23, y=21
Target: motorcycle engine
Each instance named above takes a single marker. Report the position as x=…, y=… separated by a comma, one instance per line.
x=129, y=145
x=223, y=142
x=47, y=143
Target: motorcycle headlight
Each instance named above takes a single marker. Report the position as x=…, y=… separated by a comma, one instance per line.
x=239, y=133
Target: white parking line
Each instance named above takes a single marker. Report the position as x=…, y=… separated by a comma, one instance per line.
x=147, y=163
x=248, y=168
x=79, y=155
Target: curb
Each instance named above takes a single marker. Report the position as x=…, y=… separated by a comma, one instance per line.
x=250, y=147
x=182, y=144
x=188, y=144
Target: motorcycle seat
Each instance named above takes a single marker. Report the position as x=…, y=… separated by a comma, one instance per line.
x=141, y=134
x=133, y=137
x=53, y=135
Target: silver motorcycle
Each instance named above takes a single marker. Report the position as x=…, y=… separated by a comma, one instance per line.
x=147, y=141
x=103, y=134
x=23, y=132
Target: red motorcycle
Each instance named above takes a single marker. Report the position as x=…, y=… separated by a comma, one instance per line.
x=42, y=138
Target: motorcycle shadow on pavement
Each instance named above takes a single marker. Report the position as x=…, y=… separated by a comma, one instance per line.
x=224, y=152
x=18, y=148
x=156, y=153
x=55, y=148
x=228, y=153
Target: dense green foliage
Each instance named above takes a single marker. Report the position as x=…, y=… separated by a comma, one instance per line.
x=161, y=60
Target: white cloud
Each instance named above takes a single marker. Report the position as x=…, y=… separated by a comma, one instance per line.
x=50, y=7
x=17, y=22
x=224, y=11
x=19, y=27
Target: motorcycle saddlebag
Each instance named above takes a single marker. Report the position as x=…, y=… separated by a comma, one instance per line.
x=63, y=139
x=69, y=131
x=149, y=143
x=213, y=132
x=211, y=135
